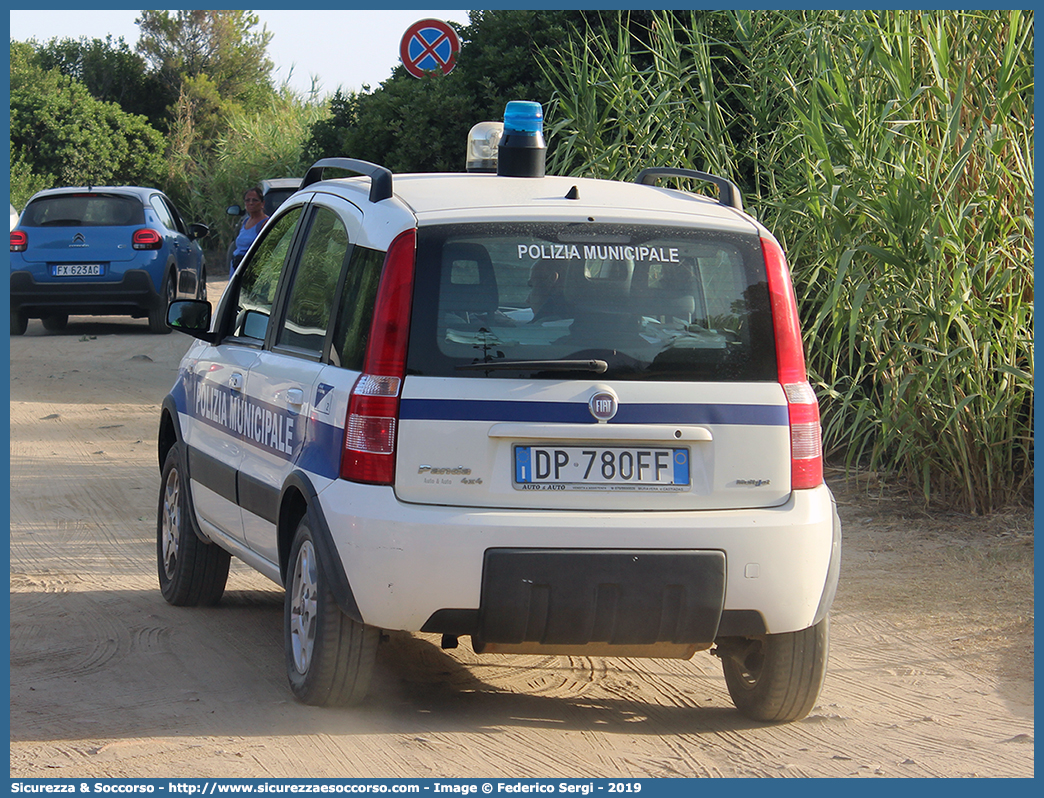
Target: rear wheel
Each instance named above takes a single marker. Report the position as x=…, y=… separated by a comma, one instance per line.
x=776, y=678
x=55, y=322
x=19, y=322
x=191, y=572
x=329, y=656
x=158, y=316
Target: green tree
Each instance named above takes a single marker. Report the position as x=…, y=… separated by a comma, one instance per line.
x=409, y=125
x=213, y=62
x=498, y=58
x=61, y=135
x=23, y=63
x=111, y=72
x=24, y=182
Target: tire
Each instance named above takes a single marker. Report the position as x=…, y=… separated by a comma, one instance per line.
x=191, y=573
x=158, y=316
x=55, y=322
x=19, y=322
x=329, y=656
x=776, y=678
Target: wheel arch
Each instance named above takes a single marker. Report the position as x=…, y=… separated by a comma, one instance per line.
x=168, y=437
x=169, y=429
x=174, y=270
x=297, y=500
x=169, y=270
x=833, y=570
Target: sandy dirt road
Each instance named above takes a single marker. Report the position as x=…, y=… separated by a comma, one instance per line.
x=931, y=666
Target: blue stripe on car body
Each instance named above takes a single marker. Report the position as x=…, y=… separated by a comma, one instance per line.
x=578, y=412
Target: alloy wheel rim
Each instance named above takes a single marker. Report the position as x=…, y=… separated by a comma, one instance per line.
x=303, y=606
x=171, y=522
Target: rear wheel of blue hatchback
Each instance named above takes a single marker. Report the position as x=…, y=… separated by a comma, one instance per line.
x=158, y=315
x=191, y=573
x=19, y=322
x=776, y=678
x=329, y=656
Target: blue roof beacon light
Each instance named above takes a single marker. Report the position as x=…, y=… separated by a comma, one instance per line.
x=522, y=152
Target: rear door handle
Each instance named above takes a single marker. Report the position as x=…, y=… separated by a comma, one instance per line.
x=295, y=397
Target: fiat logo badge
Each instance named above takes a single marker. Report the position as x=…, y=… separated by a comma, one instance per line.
x=603, y=406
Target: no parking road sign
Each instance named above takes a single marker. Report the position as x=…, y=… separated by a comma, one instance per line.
x=429, y=45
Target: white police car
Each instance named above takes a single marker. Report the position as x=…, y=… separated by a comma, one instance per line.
x=552, y=414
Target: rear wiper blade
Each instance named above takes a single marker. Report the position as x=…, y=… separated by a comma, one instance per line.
x=597, y=366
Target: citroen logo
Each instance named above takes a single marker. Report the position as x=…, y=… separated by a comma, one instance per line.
x=79, y=239
x=603, y=405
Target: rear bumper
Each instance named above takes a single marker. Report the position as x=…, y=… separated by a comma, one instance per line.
x=134, y=293
x=428, y=568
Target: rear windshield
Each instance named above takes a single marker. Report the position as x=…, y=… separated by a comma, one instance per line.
x=276, y=197
x=84, y=210
x=620, y=301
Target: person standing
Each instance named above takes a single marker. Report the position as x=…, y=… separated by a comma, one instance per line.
x=255, y=219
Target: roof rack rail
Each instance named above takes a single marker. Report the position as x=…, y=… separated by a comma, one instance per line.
x=380, y=177
x=728, y=192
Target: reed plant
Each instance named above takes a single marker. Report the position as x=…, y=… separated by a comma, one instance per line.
x=254, y=146
x=892, y=154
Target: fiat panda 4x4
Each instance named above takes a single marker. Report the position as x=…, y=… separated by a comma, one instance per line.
x=551, y=414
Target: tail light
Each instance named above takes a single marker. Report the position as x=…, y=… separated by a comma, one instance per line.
x=371, y=426
x=19, y=241
x=146, y=238
x=806, y=444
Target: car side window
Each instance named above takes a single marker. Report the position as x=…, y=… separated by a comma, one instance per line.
x=179, y=223
x=310, y=304
x=259, y=277
x=163, y=212
x=356, y=312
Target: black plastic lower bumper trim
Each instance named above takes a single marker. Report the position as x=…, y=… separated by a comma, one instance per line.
x=134, y=293
x=619, y=597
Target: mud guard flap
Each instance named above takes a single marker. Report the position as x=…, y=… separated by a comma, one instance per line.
x=329, y=558
x=170, y=406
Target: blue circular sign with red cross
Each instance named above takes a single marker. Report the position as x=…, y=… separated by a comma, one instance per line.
x=427, y=46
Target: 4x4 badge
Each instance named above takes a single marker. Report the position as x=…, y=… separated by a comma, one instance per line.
x=603, y=406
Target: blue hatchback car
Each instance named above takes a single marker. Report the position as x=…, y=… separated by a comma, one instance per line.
x=102, y=251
